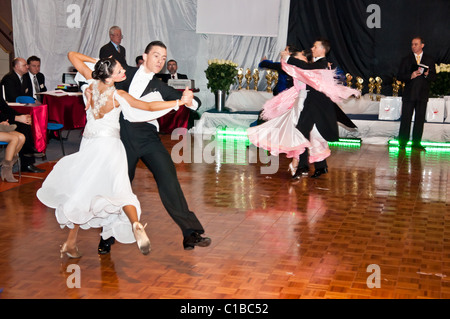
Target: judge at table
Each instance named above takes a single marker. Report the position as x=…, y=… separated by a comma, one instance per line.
x=34, y=80
x=13, y=81
x=172, y=67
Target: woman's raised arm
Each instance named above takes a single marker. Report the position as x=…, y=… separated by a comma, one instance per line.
x=78, y=61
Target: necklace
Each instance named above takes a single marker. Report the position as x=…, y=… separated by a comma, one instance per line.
x=100, y=99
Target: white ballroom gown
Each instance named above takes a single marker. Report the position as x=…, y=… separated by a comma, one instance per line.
x=91, y=187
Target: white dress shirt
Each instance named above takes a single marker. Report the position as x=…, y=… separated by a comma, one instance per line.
x=138, y=84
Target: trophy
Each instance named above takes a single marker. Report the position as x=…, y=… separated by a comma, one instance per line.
x=349, y=80
x=395, y=86
x=371, y=86
x=359, y=85
x=269, y=78
x=255, y=79
x=240, y=76
x=248, y=77
x=275, y=77
x=378, y=85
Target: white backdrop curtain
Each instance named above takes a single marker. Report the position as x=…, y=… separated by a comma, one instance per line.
x=45, y=28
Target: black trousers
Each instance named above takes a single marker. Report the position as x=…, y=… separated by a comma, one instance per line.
x=408, y=108
x=28, y=147
x=141, y=141
x=305, y=126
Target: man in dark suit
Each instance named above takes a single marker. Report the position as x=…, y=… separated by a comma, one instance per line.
x=13, y=81
x=415, y=95
x=141, y=141
x=34, y=80
x=113, y=48
x=172, y=67
x=318, y=109
x=14, y=88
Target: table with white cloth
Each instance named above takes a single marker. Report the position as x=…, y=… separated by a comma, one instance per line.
x=242, y=108
x=247, y=100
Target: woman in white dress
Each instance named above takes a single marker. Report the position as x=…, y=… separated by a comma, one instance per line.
x=91, y=188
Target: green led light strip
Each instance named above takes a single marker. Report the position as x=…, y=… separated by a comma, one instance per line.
x=424, y=144
x=238, y=134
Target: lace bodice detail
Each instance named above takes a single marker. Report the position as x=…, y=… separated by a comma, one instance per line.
x=108, y=125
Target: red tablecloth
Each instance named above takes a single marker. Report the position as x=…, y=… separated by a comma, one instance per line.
x=67, y=110
x=173, y=120
x=39, y=116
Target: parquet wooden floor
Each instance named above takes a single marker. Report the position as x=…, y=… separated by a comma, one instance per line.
x=272, y=237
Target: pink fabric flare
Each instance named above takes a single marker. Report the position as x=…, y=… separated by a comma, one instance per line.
x=321, y=80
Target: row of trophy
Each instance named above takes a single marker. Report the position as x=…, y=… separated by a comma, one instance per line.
x=374, y=83
x=271, y=77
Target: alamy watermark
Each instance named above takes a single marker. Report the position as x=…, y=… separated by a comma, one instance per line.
x=374, y=280
x=74, y=279
x=210, y=148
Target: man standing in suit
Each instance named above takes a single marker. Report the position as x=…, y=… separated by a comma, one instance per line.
x=141, y=141
x=113, y=48
x=318, y=109
x=34, y=80
x=415, y=95
x=12, y=83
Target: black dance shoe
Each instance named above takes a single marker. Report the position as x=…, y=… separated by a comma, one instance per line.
x=104, y=247
x=32, y=169
x=319, y=171
x=418, y=147
x=194, y=239
x=301, y=171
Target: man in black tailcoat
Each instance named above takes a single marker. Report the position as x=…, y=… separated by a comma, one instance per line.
x=318, y=109
x=141, y=141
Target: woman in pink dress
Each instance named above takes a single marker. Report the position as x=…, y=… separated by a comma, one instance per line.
x=280, y=134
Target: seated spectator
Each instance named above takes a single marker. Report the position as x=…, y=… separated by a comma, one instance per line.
x=23, y=122
x=13, y=81
x=15, y=142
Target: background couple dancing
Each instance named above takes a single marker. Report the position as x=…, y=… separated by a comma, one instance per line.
x=303, y=119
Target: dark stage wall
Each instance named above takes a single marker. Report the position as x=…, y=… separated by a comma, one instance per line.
x=363, y=51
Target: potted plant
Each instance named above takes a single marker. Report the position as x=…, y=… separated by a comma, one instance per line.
x=441, y=86
x=221, y=74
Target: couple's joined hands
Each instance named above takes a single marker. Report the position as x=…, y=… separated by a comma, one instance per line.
x=187, y=97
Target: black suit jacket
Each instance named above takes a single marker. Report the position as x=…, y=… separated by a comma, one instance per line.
x=166, y=77
x=110, y=50
x=416, y=89
x=6, y=112
x=28, y=83
x=13, y=86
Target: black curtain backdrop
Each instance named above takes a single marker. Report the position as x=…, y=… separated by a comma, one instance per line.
x=369, y=52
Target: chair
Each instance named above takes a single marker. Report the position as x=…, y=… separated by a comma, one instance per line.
x=4, y=144
x=57, y=127
x=25, y=99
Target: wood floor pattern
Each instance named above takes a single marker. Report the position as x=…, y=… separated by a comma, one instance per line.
x=272, y=238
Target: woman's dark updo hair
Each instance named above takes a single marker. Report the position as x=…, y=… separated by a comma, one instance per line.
x=103, y=69
x=308, y=54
